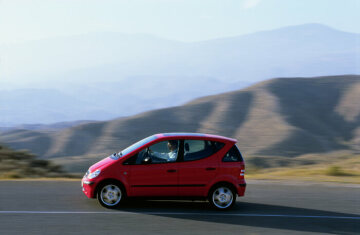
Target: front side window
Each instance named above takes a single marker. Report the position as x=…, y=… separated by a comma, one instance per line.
x=199, y=149
x=162, y=152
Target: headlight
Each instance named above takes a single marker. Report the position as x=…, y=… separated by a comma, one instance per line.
x=94, y=174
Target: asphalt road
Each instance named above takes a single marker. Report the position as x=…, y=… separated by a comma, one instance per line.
x=50, y=207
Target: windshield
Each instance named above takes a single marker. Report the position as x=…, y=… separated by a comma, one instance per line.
x=133, y=147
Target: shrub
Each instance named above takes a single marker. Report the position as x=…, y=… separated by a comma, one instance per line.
x=336, y=171
x=39, y=163
x=11, y=175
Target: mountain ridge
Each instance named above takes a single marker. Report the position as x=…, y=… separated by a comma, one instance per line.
x=100, y=77
x=283, y=117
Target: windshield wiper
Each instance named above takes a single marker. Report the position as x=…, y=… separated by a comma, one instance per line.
x=116, y=156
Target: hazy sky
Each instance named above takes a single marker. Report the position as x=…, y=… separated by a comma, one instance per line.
x=185, y=20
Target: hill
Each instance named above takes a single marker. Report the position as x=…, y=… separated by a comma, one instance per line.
x=273, y=121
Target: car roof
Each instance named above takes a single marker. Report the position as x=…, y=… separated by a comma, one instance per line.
x=184, y=135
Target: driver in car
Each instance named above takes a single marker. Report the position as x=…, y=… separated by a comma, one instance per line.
x=171, y=155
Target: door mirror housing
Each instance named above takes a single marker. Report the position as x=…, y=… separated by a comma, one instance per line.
x=147, y=160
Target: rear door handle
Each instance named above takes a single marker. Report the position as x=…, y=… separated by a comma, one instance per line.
x=171, y=170
x=210, y=169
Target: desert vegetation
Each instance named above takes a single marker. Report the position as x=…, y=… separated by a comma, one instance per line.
x=22, y=164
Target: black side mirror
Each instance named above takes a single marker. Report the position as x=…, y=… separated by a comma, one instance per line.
x=147, y=160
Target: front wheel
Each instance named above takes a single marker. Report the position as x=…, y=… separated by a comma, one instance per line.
x=110, y=195
x=222, y=197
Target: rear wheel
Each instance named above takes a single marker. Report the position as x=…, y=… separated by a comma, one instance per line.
x=222, y=197
x=110, y=195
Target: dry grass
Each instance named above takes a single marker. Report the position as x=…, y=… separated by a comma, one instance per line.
x=344, y=170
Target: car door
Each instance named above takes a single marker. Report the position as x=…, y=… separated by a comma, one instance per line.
x=155, y=171
x=197, y=168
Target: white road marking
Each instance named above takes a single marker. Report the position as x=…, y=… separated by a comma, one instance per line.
x=181, y=213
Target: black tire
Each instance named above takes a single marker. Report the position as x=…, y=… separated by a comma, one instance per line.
x=111, y=194
x=222, y=197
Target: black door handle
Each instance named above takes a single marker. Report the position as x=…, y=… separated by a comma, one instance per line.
x=171, y=170
x=210, y=169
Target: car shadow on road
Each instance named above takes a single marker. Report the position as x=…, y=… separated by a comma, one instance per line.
x=239, y=215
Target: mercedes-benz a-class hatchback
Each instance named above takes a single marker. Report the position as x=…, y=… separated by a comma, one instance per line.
x=171, y=165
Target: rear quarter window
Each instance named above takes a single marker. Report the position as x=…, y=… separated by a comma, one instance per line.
x=233, y=155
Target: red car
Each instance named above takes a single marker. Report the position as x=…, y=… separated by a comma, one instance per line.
x=176, y=165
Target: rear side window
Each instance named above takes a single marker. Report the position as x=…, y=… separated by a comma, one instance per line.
x=199, y=149
x=233, y=155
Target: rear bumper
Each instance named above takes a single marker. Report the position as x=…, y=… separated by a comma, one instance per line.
x=241, y=187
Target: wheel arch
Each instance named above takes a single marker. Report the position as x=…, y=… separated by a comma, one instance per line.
x=227, y=183
x=109, y=180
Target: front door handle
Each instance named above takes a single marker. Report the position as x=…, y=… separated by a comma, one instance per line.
x=171, y=170
x=210, y=169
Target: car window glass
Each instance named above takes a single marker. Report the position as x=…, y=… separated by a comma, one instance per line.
x=131, y=160
x=164, y=151
x=217, y=145
x=140, y=157
x=233, y=155
x=197, y=149
x=137, y=145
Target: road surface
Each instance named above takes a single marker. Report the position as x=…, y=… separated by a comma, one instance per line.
x=59, y=207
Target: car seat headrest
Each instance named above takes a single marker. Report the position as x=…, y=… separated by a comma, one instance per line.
x=187, y=148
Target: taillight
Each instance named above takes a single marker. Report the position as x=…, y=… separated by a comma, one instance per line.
x=242, y=173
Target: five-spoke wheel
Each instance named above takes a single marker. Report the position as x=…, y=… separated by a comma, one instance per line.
x=222, y=197
x=110, y=195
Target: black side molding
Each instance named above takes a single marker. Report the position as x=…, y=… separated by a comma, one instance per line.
x=171, y=185
x=242, y=185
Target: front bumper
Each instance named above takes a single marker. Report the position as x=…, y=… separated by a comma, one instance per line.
x=88, y=187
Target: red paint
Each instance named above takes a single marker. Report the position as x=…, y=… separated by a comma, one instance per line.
x=190, y=178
